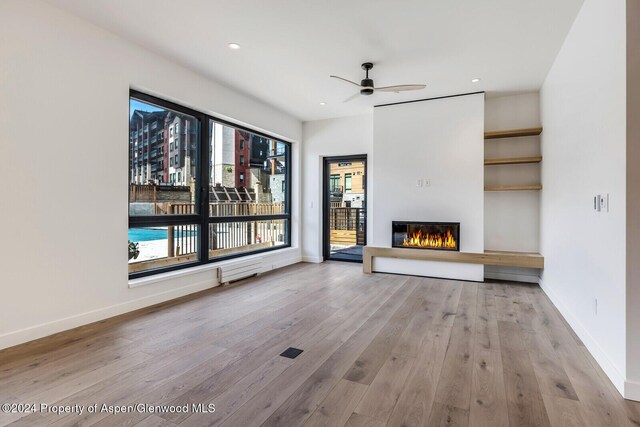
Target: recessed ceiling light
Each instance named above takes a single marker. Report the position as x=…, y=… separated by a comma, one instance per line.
x=234, y=46
x=476, y=80
x=323, y=103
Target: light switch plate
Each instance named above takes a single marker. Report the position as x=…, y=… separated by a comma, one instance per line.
x=604, y=202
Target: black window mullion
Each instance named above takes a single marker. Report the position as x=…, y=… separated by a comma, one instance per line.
x=161, y=220
x=287, y=198
x=246, y=218
x=203, y=186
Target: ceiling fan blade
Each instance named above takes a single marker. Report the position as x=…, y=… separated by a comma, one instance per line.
x=399, y=88
x=345, y=80
x=352, y=97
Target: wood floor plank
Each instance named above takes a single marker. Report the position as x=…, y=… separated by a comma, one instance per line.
x=551, y=376
x=383, y=393
x=415, y=403
x=505, y=307
x=368, y=364
x=488, y=403
x=454, y=385
x=447, y=415
x=357, y=420
x=565, y=412
x=154, y=421
x=524, y=400
x=338, y=406
x=234, y=397
x=427, y=302
x=487, y=336
x=10, y=368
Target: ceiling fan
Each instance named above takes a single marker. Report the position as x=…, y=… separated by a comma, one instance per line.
x=367, y=88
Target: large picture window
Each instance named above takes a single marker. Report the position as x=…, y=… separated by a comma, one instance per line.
x=201, y=189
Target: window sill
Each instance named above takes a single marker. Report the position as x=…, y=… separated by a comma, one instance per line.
x=163, y=277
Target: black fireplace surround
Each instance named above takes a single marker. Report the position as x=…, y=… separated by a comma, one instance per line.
x=443, y=236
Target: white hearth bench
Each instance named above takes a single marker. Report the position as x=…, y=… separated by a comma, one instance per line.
x=511, y=259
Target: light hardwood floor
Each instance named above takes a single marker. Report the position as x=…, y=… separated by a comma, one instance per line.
x=378, y=350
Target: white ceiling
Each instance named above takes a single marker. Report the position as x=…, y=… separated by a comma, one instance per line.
x=290, y=47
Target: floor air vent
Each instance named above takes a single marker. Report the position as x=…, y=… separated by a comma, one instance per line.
x=239, y=270
x=291, y=353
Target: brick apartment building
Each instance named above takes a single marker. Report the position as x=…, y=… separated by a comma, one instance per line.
x=163, y=144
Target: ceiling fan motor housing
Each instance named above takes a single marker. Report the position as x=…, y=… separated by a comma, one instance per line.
x=366, y=84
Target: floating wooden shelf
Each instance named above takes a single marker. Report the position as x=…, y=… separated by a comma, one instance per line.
x=516, y=259
x=513, y=188
x=513, y=160
x=512, y=133
x=504, y=258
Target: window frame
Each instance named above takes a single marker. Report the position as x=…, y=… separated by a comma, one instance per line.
x=202, y=218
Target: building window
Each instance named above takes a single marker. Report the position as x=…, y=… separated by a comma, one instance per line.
x=347, y=183
x=334, y=183
x=174, y=225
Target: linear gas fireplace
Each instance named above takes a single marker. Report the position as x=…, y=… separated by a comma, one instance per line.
x=444, y=236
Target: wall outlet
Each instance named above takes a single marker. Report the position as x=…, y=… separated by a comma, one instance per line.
x=427, y=182
x=595, y=306
x=420, y=183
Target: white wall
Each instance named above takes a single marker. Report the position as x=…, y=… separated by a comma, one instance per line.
x=324, y=138
x=64, y=89
x=583, y=145
x=512, y=218
x=441, y=140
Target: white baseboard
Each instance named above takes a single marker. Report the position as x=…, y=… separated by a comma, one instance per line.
x=312, y=259
x=39, y=331
x=609, y=368
x=512, y=277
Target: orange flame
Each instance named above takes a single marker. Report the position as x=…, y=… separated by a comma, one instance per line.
x=438, y=240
